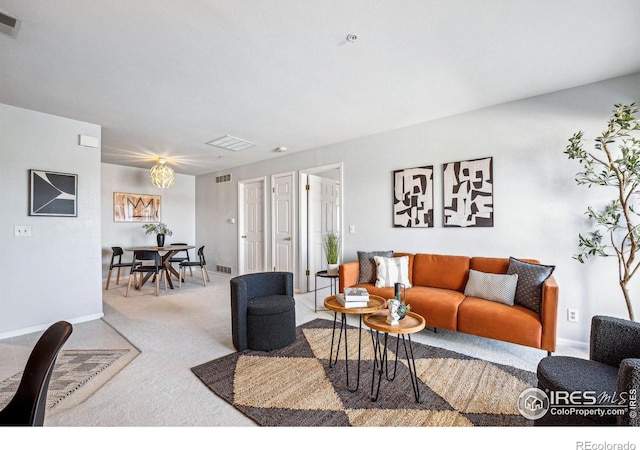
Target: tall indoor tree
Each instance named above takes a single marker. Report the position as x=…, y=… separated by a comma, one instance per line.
x=614, y=162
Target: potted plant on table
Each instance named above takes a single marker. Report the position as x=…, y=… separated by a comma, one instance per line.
x=160, y=229
x=331, y=246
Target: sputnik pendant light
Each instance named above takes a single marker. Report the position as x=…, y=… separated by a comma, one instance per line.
x=162, y=176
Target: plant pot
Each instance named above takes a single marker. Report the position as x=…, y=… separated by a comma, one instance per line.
x=332, y=269
x=160, y=239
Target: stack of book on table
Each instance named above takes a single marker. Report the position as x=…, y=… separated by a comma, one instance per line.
x=353, y=298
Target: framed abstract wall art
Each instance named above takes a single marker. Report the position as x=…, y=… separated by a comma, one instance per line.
x=468, y=193
x=136, y=207
x=413, y=197
x=53, y=194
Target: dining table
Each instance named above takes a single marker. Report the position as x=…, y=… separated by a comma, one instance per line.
x=167, y=252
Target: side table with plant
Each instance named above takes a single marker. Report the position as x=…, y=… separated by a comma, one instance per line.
x=331, y=246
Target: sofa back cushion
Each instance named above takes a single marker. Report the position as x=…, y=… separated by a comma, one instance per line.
x=493, y=265
x=441, y=271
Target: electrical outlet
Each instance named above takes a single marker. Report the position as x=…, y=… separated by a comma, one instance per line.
x=352, y=228
x=572, y=315
x=22, y=230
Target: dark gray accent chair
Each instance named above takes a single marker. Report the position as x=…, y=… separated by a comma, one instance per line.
x=613, y=367
x=262, y=311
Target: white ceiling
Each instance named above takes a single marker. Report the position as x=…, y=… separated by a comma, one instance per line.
x=163, y=77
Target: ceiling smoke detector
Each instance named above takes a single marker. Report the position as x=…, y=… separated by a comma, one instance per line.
x=9, y=25
x=281, y=149
x=351, y=37
x=231, y=143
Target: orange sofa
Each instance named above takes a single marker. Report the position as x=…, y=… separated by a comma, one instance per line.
x=437, y=294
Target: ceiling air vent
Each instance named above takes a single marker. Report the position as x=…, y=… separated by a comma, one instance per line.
x=223, y=178
x=231, y=143
x=9, y=25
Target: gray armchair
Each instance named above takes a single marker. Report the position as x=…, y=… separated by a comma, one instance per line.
x=613, y=368
x=262, y=311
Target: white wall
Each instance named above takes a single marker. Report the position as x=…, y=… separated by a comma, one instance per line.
x=539, y=210
x=177, y=210
x=54, y=274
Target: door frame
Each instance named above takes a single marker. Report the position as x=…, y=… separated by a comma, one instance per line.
x=241, y=184
x=303, y=226
x=294, y=213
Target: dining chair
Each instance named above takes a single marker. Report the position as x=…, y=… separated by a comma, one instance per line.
x=27, y=406
x=116, y=262
x=202, y=263
x=178, y=259
x=147, y=262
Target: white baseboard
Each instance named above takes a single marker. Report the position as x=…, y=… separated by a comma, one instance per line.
x=39, y=328
x=571, y=343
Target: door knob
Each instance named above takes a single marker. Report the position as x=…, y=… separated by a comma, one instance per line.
x=287, y=238
x=244, y=236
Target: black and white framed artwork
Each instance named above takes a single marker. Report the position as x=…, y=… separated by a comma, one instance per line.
x=468, y=193
x=413, y=197
x=53, y=194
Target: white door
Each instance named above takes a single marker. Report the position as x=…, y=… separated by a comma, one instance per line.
x=283, y=223
x=323, y=199
x=252, y=239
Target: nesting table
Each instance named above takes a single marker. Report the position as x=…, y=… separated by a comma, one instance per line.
x=377, y=321
x=375, y=304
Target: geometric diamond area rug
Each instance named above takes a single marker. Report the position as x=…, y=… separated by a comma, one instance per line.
x=72, y=370
x=294, y=386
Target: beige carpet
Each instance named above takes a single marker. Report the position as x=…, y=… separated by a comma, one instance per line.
x=77, y=374
x=295, y=386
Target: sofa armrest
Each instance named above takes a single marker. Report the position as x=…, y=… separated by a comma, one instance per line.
x=614, y=339
x=348, y=274
x=629, y=383
x=549, y=314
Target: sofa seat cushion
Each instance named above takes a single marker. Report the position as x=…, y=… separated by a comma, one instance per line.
x=439, y=307
x=270, y=304
x=515, y=324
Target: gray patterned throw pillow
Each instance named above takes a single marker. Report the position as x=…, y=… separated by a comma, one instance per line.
x=492, y=286
x=530, y=279
x=368, y=272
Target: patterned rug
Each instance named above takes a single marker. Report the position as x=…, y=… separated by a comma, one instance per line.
x=294, y=386
x=72, y=370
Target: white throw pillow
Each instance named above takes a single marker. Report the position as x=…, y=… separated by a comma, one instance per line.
x=392, y=270
x=492, y=286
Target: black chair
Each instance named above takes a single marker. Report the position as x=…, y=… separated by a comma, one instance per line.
x=202, y=263
x=177, y=259
x=147, y=263
x=27, y=407
x=613, y=369
x=116, y=262
x=263, y=311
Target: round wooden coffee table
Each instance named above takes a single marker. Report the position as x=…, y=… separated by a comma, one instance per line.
x=412, y=323
x=375, y=303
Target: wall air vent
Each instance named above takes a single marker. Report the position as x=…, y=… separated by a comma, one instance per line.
x=9, y=25
x=223, y=178
x=231, y=143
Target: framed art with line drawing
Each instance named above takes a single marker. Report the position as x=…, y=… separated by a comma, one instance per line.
x=136, y=207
